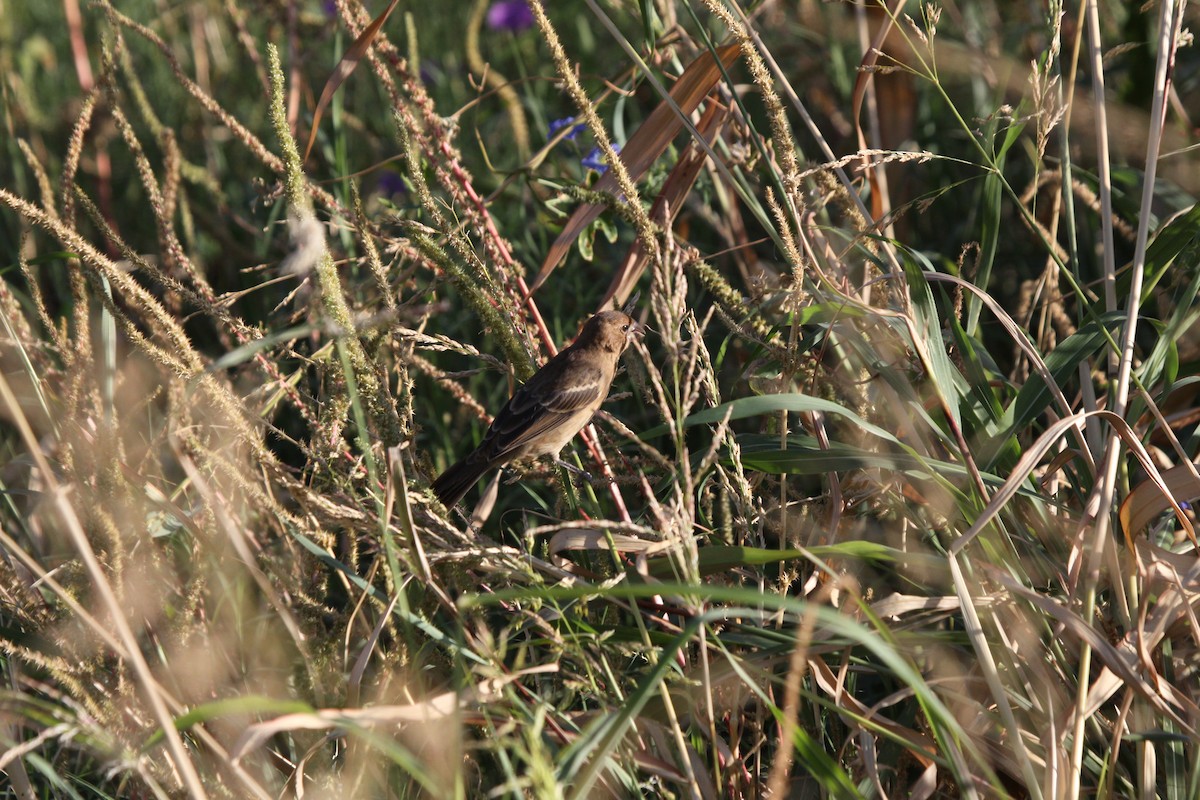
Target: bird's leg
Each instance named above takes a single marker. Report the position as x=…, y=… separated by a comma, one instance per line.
x=574, y=470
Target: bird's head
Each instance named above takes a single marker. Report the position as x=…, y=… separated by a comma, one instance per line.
x=611, y=330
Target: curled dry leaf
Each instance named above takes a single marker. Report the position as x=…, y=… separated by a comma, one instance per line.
x=435, y=708
x=1147, y=501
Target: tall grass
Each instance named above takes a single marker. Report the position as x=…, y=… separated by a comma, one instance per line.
x=894, y=502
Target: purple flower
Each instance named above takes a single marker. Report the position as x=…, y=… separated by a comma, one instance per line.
x=431, y=72
x=390, y=184
x=558, y=124
x=595, y=159
x=509, y=15
x=330, y=8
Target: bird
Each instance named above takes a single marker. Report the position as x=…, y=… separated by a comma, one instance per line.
x=554, y=405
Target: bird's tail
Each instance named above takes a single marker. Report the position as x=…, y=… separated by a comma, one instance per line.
x=452, y=484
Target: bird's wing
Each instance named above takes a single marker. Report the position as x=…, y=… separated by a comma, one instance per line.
x=541, y=405
x=564, y=392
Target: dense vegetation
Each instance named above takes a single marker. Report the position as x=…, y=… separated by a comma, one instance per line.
x=893, y=502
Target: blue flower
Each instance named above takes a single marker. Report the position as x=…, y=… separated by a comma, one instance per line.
x=595, y=159
x=558, y=124
x=509, y=15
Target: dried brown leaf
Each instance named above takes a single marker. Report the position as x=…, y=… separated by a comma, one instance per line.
x=667, y=205
x=866, y=71
x=344, y=68
x=645, y=145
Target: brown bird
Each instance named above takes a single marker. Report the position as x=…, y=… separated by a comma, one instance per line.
x=551, y=407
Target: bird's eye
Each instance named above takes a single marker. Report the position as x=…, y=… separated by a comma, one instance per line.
x=624, y=327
